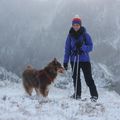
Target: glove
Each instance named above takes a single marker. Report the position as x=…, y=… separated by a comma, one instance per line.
x=65, y=66
x=84, y=48
x=79, y=44
x=79, y=52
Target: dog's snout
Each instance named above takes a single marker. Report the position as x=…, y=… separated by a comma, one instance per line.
x=61, y=70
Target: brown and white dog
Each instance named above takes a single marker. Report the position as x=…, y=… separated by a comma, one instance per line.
x=41, y=79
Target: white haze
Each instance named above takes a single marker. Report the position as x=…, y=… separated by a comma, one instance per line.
x=34, y=31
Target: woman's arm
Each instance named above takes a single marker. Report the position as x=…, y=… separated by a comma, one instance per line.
x=89, y=44
x=67, y=49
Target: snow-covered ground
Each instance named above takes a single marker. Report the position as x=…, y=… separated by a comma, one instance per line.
x=15, y=105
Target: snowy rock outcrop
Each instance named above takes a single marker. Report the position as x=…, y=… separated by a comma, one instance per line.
x=7, y=77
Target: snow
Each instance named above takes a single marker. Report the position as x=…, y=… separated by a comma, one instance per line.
x=7, y=77
x=104, y=67
x=15, y=104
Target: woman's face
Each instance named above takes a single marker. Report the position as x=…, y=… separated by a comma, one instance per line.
x=76, y=27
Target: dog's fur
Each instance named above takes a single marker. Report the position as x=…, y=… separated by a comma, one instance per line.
x=41, y=79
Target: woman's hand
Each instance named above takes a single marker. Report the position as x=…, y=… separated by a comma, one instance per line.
x=65, y=66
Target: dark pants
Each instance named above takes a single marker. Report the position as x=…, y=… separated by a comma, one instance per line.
x=86, y=68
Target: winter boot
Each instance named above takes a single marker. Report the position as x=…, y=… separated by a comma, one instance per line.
x=94, y=99
x=75, y=96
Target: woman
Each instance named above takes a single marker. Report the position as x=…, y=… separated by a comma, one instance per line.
x=77, y=48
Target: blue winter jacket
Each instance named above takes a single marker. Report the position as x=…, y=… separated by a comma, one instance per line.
x=70, y=46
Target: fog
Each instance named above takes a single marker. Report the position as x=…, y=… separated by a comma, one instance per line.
x=34, y=31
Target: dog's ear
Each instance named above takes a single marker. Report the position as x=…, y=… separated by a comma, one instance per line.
x=55, y=60
x=29, y=67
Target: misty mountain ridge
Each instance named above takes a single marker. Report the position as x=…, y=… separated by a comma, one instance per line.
x=38, y=31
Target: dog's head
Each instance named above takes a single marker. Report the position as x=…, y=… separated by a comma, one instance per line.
x=57, y=65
